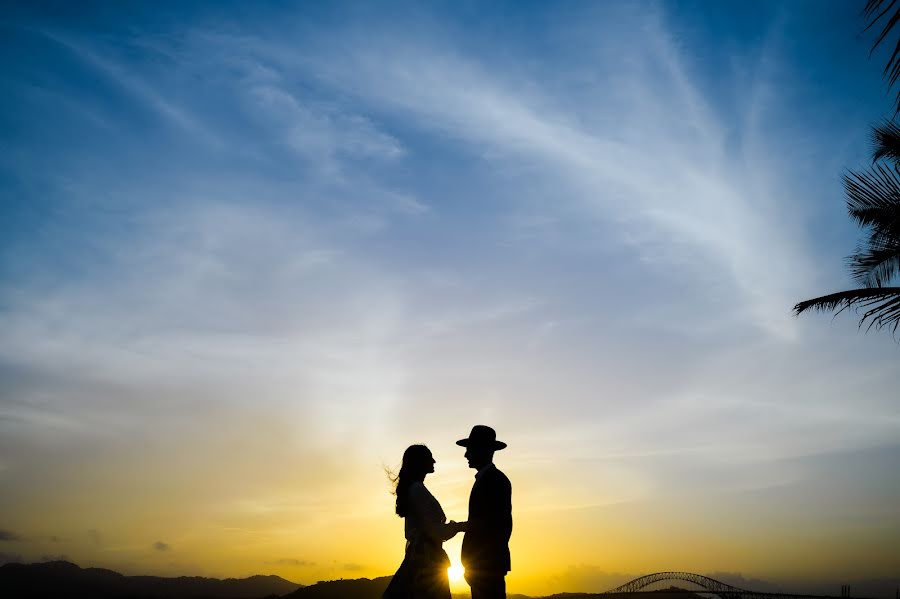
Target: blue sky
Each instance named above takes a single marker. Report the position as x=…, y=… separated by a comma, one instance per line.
x=315, y=233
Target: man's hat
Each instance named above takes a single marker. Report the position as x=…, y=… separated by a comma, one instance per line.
x=482, y=436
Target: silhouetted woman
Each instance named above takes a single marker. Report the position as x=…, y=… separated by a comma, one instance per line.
x=423, y=573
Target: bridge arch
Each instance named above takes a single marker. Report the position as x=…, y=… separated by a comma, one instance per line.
x=710, y=584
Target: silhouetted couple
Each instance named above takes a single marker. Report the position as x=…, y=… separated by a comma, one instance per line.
x=485, y=548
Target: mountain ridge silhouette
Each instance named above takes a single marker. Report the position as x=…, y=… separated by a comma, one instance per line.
x=59, y=579
x=361, y=588
x=62, y=579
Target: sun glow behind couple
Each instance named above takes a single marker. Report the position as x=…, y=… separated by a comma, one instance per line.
x=427, y=570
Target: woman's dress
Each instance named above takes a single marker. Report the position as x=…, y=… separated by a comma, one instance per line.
x=426, y=529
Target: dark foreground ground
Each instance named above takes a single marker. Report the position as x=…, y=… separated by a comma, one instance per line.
x=63, y=580
x=60, y=580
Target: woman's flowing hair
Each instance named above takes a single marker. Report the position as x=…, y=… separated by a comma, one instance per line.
x=416, y=460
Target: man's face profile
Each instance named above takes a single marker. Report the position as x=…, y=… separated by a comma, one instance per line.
x=478, y=457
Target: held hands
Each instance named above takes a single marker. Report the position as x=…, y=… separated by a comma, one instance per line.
x=458, y=527
x=452, y=528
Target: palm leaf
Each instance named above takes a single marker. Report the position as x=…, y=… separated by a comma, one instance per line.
x=881, y=306
x=873, y=198
x=874, y=11
x=875, y=263
x=886, y=142
x=874, y=6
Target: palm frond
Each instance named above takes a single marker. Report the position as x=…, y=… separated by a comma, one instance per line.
x=875, y=263
x=886, y=142
x=874, y=11
x=873, y=198
x=881, y=306
x=875, y=6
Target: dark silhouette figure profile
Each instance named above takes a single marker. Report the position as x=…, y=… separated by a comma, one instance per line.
x=485, y=547
x=423, y=572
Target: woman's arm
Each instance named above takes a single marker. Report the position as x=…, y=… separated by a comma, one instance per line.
x=430, y=516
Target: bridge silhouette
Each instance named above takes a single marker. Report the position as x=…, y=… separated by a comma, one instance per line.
x=708, y=586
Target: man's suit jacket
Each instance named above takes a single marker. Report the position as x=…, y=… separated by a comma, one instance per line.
x=485, y=546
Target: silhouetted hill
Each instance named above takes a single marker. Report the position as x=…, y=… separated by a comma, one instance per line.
x=364, y=588
x=360, y=588
x=62, y=579
x=670, y=593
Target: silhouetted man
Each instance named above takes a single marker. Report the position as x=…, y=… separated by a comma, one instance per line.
x=485, y=547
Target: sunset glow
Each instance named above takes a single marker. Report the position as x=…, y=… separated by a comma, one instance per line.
x=252, y=251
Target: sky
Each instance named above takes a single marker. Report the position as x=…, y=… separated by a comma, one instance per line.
x=249, y=252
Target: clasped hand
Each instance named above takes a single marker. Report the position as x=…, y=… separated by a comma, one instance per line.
x=457, y=527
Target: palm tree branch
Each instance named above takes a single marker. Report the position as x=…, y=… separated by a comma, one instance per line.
x=892, y=21
x=873, y=198
x=874, y=11
x=875, y=263
x=882, y=305
x=871, y=7
x=886, y=141
x=893, y=65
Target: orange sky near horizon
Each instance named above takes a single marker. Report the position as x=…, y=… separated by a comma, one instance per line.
x=572, y=532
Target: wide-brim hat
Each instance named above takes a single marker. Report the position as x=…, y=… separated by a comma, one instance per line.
x=482, y=436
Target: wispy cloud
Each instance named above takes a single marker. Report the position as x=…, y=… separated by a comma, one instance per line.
x=7, y=535
x=292, y=562
x=145, y=93
x=663, y=177
x=322, y=133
